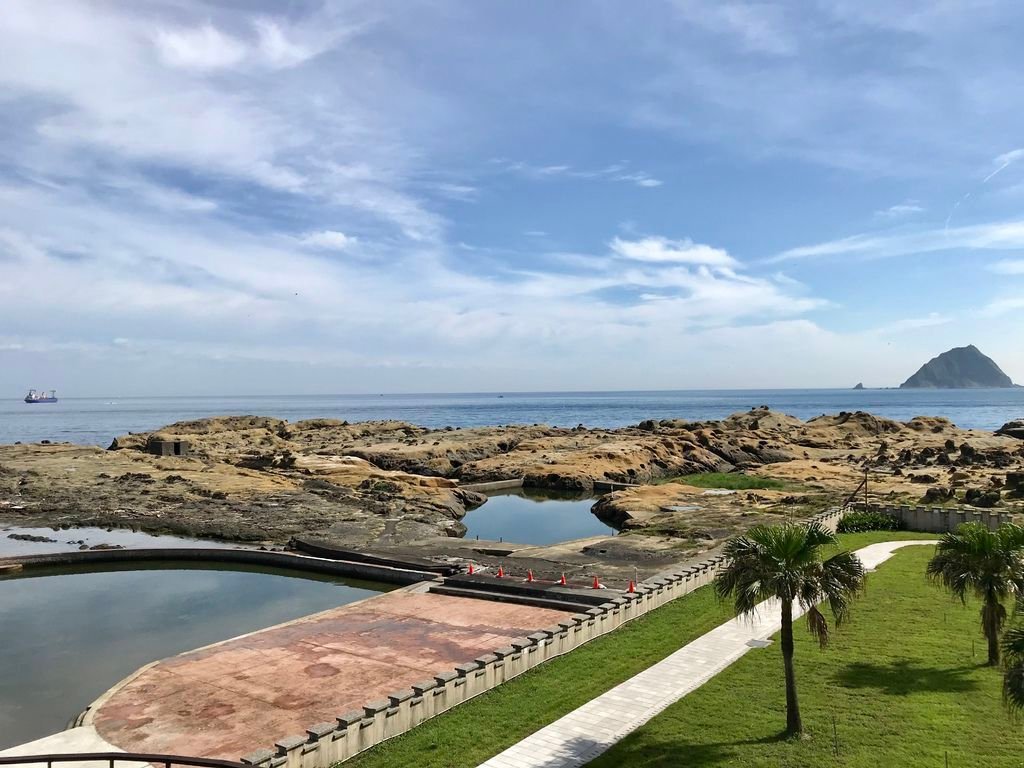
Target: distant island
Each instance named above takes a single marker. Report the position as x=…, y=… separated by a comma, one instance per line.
x=959, y=368
x=860, y=385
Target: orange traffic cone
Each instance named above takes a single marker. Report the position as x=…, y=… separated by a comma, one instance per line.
x=472, y=570
x=562, y=580
x=632, y=587
x=501, y=572
x=529, y=575
x=597, y=584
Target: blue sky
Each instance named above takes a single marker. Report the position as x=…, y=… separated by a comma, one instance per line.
x=421, y=195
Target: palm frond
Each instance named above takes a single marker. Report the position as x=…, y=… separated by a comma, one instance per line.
x=818, y=626
x=1013, y=669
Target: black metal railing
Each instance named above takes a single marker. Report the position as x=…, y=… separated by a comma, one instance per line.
x=111, y=758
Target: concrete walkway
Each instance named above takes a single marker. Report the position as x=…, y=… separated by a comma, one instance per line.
x=588, y=731
x=74, y=740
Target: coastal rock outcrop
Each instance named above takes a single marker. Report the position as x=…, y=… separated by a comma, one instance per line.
x=1014, y=429
x=394, y=484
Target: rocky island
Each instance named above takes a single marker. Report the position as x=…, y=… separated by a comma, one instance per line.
x=959, y=368
x=399, y=488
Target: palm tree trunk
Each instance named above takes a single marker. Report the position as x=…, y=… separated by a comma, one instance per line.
x=794, y=725
x=991, y=626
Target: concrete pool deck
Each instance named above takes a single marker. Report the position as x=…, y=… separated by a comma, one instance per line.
x=229, y=699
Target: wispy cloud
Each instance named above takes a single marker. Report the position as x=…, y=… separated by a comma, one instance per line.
x=900, y=210
x=619, y=172
x=1001, y=235
x=203, y=47
x=931, y=320
x=1003, y=306
x=1003, y=162
x=1008, y=267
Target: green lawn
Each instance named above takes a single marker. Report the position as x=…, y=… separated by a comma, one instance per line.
x=904, y=682
x=731, y=481
x=479, y=729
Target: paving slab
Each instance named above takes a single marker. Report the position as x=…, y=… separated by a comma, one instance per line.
x=229, y=699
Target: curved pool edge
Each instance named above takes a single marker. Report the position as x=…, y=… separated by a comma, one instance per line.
x=390, y=574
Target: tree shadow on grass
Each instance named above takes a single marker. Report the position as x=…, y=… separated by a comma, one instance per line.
x=663, y=753
x=904, y=677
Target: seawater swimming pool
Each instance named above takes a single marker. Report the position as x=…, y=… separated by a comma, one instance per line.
x=69, y=634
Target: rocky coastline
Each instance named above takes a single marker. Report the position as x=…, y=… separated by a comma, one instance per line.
x=393, y=486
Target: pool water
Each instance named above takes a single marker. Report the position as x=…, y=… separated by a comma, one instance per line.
x=69, y=634
x=534, y=516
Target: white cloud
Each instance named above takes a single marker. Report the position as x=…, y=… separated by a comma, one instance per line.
x=203, y=47
x=275, y=47
x=1008, y=267
x=1003, y=306
x=900, y=210
x=790, y=80
x=663, y=250
x=329, y=240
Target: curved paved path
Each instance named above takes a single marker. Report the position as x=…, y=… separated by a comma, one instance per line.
x=586, y=732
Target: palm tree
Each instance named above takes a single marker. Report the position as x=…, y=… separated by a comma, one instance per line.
x=987, y=564
x=1013, y=669
x=785, y=562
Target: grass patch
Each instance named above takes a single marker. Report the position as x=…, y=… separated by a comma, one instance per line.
x=732, y=481
x=472, y=732
x=905, y=682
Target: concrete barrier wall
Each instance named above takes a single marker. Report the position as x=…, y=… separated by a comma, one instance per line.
x=940, y=519
x=327, y=743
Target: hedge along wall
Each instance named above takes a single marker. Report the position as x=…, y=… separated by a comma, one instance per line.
x=327, y=743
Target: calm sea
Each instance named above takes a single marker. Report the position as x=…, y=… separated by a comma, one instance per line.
x=98, y=420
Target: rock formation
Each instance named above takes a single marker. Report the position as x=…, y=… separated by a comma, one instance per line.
x=959, y=368
x=1013, y=428
x=397, y=487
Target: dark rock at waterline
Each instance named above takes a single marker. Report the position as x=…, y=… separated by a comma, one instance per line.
x=959, y=368
x=31, y=537
x=1013, y=428
x=860, y=385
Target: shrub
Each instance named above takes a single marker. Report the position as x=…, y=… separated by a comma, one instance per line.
x=857, y=522
x=734, y=481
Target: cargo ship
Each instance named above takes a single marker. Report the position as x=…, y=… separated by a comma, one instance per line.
x=41, y=396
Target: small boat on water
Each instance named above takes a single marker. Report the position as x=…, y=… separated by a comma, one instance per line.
x=41, y=396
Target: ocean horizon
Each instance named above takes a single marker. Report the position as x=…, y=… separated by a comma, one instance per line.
x=97, y=420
